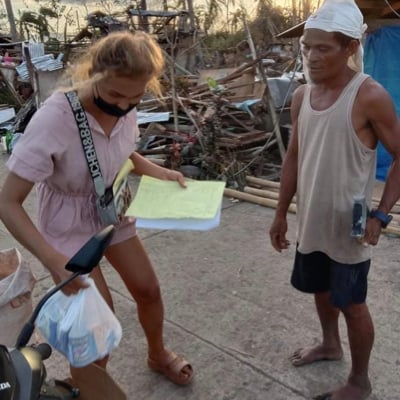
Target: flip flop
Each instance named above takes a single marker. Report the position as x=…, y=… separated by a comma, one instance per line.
x=172, y=368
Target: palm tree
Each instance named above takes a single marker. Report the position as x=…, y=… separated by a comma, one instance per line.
x=11, y=20
x=32, y=23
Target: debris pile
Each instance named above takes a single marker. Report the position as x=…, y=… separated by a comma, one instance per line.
x=217, y=123
x=221, y=128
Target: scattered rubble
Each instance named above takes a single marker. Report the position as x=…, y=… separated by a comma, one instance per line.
x=218, y=123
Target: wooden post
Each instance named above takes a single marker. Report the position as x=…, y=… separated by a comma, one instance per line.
x=32, y=76
x=267, y=95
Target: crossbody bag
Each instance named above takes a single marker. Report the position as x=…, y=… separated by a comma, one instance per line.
x=112, y=202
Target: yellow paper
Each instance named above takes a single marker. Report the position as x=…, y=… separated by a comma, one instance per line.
x=157, y=199
x=123, y=173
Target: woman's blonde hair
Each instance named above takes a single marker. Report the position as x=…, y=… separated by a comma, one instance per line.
x=124, y=54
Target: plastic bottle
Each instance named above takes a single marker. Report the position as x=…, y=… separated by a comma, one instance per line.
x=9, y=137
x=3, y=146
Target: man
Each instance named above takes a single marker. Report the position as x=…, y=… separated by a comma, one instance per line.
x=337, y=119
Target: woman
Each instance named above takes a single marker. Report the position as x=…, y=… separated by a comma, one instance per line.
x=110, y=80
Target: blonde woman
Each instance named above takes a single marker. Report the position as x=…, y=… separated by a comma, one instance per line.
x=109, y=82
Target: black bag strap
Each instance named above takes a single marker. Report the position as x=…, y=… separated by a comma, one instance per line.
x=85, y=135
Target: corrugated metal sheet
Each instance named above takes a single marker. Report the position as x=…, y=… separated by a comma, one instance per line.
x=35, y=49
x=46, y=62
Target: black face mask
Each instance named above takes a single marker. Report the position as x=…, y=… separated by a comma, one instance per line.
x=112, y=109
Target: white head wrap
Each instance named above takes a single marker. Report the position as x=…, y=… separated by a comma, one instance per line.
x=342, y=16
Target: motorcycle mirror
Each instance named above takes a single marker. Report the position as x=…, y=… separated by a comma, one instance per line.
x=90, y=254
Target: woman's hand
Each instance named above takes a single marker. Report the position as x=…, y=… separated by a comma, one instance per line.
x=58, y=272
x=143, y=166
x=171, y=175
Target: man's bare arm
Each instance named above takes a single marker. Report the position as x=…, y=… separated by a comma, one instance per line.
x=383, y=118
x=288, y=184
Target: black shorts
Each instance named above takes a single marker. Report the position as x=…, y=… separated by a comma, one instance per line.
x=317, y=273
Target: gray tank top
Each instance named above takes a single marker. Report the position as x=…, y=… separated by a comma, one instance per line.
x=333, y=166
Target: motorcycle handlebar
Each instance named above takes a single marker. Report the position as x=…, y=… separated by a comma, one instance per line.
x=44, y=350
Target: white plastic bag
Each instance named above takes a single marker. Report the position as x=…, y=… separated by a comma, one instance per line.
x=16, y=285
x=81, y=326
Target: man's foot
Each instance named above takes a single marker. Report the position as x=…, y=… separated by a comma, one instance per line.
x=172, y=366
x=309, y=355
x=347, y=392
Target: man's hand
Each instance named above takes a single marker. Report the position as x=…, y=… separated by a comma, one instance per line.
x=373, y=229
x=277, y=234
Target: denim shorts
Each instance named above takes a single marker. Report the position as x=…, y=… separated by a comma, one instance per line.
x=317, y=273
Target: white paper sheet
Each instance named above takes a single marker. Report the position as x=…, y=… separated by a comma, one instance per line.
x=188, y=224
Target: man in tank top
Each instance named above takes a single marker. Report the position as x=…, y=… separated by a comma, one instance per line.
x=337, y=120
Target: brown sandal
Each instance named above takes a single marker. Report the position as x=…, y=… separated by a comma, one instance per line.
x=172, y=368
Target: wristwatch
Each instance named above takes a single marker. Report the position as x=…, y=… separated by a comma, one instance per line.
x=384, y=218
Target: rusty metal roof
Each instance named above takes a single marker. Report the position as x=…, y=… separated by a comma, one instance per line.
x=377, y=10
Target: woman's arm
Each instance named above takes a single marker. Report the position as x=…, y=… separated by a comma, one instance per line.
x=146, y=167
x=17, y=221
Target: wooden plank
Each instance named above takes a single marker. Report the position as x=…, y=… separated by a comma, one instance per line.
x=11, y=89
x=389, y=10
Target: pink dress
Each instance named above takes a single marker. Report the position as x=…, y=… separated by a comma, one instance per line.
x=50, y=154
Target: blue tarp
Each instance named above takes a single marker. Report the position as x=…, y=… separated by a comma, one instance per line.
x=382, y=62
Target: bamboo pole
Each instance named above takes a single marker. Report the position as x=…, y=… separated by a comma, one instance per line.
x=262, y=193
x=392, y=230
x=275, y=195
x=272, y=203
x=276, y=185
x=255, y=199
x=269, y=199
x=263, y=182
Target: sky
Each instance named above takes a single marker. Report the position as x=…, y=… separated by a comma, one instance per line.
x=151, y=4
x=80, y=11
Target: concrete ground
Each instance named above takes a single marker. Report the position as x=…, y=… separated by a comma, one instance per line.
x=231, y=311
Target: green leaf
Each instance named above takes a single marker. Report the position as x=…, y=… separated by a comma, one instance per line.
x=212, y=83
